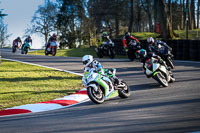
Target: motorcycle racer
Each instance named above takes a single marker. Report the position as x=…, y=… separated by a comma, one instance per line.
x=53, y=38
x=90, y=63
x=155, y=45
x=144, y=56
x=27, y=41
x=127, y=38
x=17, y=41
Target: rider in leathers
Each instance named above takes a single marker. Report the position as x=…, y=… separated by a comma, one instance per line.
x=144, y=56
x=90, y=63
x=157, y=46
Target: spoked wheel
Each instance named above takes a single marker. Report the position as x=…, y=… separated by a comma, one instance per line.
x=161, y=79
x=125, y=91
x=95, y=96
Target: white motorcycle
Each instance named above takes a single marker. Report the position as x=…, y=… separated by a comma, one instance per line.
x=158, y=72
x=100, y=87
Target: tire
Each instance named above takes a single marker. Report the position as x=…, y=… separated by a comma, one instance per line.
x=96, y=97
x=125, y=92
x=54, y=53
x=170, y=62
x=111, y=54
x=25, y=50
x=161, y=79
x=14, y=49
x=46, y=52
x=130, y=56
x=172, y=78
x=99, y=55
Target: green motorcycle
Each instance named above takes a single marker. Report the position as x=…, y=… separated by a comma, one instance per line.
x=100, y=87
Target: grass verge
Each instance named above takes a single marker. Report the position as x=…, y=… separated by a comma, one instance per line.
x=75, y=52
x=24, y=84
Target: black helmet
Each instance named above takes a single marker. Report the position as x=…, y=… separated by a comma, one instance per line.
x=18, y=38
x=127, y=34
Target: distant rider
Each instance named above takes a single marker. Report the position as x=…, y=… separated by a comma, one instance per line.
x=104, y=40
x=27, y=41
x=144, y=56
x=17, y=41
x=53, y=38
x=157, y=46
x=90, y=63
x=128, y=38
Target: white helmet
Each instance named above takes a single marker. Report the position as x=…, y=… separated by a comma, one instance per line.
x=87, y=59
x=150, y=40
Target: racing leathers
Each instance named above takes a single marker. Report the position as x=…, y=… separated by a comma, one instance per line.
x=99, y=69
x=16, y=43
x=159, y=47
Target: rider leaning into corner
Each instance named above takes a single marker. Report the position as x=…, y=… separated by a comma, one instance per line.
x=90, y=63
x=27, y=40
x=127, y=38
x=53, y=38
x=17, y=41
x=144, y=56
x=104, y=38
x=154, y=45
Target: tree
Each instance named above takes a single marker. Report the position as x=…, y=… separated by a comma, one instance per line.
x=198, y=10
x=3, y=33
x=44, y=19
x=69, y=20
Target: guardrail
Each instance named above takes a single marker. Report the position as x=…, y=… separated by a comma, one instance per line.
x=182, y=49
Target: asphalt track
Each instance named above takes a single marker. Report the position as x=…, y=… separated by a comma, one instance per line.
x=149, y=109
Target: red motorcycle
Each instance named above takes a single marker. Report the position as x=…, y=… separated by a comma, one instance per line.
x=51, y=48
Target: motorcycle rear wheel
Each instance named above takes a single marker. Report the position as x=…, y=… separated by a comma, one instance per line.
x=125, y=92
x=161, y=79
x=95, y=96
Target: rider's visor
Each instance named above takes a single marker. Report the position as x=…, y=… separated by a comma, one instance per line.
x=85, y=62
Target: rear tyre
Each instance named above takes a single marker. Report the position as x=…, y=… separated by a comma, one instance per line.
x=161, y=79
x=125, y=92
x=95, y=96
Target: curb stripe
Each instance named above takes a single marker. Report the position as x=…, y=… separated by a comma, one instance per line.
x=62, y=102
x=81, y=92
x=13, y=111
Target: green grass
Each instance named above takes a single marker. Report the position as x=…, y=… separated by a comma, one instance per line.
x=75, y=52
x=24, y=84
x=192, y=34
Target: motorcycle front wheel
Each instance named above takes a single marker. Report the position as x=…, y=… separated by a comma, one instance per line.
x=25, y=50
x=170, y=62
x=95, y=96
x=125, y=92
x=99, y=54
x=111, y=54
x=161, y=79
x=14, y=49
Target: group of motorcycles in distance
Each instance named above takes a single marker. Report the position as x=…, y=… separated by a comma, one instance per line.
x=50, y=49
x=161, y=73
x=24, y=49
